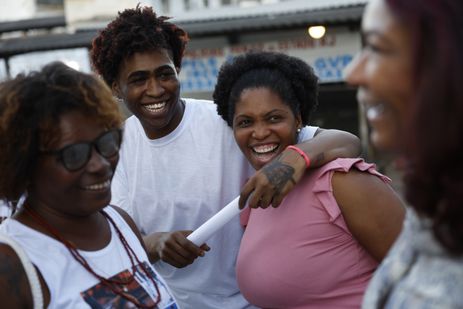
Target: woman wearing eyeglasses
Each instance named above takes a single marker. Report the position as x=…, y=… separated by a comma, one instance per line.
x=60, y=136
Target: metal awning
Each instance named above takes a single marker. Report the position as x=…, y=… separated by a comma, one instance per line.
x=17, y=46
x=33, y=23
x=342, y=15
x=285, y=14
x=282, y=7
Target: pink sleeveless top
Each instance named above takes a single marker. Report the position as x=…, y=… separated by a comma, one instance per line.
x=301, y=254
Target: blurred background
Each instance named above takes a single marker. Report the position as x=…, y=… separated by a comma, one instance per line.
x=324, y=33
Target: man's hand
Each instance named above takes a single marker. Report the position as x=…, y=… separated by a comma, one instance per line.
x=173, y=248
x=274, y=181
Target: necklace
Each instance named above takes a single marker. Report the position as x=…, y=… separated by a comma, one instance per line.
x=119, y=287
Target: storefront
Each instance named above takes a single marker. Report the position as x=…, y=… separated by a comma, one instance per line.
x=328, y=56
x=221, y=34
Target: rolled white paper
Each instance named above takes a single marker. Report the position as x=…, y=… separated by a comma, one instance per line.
x=202, y=233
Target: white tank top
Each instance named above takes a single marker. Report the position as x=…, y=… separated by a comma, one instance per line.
x=72, y=286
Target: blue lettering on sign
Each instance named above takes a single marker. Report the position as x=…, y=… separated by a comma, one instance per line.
x=199, y=74
x=331, y=68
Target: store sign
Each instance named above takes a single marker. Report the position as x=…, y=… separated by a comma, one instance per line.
x=328, y=56
x=199, y=74
x=329, y=69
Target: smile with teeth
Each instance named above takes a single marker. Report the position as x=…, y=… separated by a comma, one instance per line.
x=373, y=111
x=98, y=186
x=264, y=149
x=156, y=107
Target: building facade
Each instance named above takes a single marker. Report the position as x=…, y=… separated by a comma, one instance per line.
x=35, y=32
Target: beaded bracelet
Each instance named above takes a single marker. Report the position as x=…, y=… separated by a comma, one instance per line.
x=302, y=153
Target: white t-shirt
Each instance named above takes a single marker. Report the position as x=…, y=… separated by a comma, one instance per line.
x=5, y=210
x=179, y=181
x=72, y=286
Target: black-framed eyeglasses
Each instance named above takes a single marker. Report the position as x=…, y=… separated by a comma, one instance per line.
x=76, y=156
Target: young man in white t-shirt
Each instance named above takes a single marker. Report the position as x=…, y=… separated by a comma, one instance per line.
x=179, y=163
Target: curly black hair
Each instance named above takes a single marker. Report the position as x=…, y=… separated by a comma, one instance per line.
x=30, y=110
x=135, y=30
x=289, y=77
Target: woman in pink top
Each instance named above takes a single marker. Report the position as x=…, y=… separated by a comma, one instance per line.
x=319, y=248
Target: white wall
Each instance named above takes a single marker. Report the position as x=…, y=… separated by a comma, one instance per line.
x=16, y=9
x=78, y=11
x=77, y=58
x=2, y=70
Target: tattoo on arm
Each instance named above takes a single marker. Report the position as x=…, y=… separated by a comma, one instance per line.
x=279, y=173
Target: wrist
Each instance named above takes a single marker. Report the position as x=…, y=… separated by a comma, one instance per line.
x=301, y=153
x=151, y=244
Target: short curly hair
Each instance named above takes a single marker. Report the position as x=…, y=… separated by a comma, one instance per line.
x=135, y=30
x=289, y=77
x=30, y=110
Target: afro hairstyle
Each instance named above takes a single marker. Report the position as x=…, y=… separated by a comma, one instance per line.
x=134, y=31
x=292, y=79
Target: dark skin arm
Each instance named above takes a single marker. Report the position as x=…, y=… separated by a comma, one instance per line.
x=15, y=291
x=171, y=247
x=274, y=181
x=175, y=249
x=372, y=210
x=14, y=287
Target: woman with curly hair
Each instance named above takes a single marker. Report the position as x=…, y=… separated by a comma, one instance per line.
x=321, y=246
x=410, y=77
x=60, y=136
x=180, y=164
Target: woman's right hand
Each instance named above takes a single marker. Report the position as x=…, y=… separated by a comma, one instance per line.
x=173, y=248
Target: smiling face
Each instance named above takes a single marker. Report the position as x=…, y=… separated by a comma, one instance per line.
x=81, y=192
x=263, y=125
x=148, y=83
x=383, y=73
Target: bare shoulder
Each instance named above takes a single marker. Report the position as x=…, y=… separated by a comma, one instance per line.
x=373, y=211
x=14, y=286
x=130, y=222
x=124, y=215
x=361, y=181
x=367, y=193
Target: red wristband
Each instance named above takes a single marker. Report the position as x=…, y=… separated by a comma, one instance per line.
x=302, y=153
